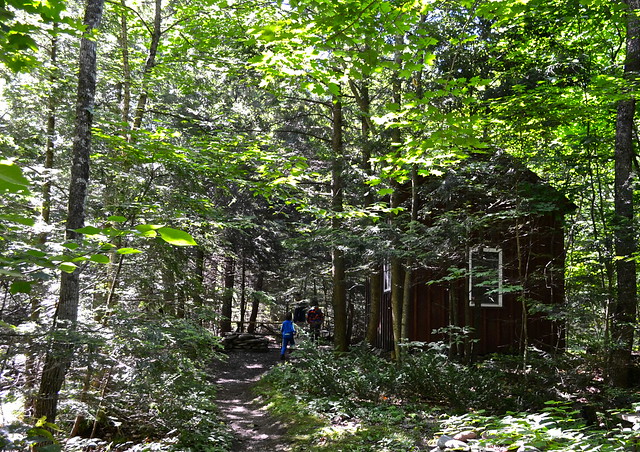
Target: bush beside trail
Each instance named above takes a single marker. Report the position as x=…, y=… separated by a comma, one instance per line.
x=361, y=401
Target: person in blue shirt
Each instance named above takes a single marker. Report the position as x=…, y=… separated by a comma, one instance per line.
x=288, y=330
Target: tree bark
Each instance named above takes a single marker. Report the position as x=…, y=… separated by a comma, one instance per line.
x=126, y=67
x=396, y=304
x=169, y=289
x=375, y=297
x=339, y=297
x=255, y=302
x=156, y=33
x=59, y=355
x=243, y=294
x=396, y=264
x=624, y=312
x=361, y=93
x=408, y=275
x=31, y=358
x=227, y=297
x=198, y=290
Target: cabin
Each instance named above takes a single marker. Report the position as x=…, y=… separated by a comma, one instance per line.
x=488, y=276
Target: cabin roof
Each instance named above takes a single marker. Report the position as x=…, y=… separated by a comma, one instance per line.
x=492, y=182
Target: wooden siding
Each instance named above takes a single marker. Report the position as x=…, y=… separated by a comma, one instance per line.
x=499, y=329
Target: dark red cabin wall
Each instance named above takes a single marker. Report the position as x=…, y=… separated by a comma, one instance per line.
x=501, y=329
x=384, y=338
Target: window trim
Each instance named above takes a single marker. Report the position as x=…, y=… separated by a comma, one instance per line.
x=500, y=276
x=386, y=276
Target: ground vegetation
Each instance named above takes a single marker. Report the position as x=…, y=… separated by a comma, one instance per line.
x=173, y=171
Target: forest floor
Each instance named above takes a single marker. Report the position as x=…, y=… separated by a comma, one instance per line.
x=245, y=413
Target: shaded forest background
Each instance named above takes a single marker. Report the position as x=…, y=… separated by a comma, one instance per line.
x=242, y=156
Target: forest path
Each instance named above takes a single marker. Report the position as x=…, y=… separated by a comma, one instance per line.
x=253, y=428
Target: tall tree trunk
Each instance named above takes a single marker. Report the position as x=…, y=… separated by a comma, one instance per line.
x=169, y=289
x=453, y=302
x=396, y=264
x=156, y=33
x=59, y=355
x=31, y=358
x=396, y=304
x=198, y=290
x=243, y=293
x=375, y=297
x=361, y=93
x=339, y=297
x=51, y=132
x=255, y=302
x=126, y=67
x=624, y=312
x=408, y=274
x=227, y=297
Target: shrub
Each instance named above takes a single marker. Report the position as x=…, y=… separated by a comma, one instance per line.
x=153, y=383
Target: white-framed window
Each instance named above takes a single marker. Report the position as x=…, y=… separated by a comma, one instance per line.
x=485, y=277
x=386, y=276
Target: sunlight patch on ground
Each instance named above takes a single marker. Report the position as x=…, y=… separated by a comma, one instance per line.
x=254, y=366
x=10, y=411
x=332, y=433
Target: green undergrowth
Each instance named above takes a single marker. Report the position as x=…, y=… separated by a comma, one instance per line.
x=558, y=427
x=154, y=393
x=359, y=401
x=329, y=424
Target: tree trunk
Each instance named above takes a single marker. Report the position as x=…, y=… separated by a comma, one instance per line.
x=396, y=264
x=361, y=93
x=454, y=344
x=227, y=297
x=31, y=358
x=396, y=304
x=255, y=303
x=351, y=310
x=375, y=297
x=59, y=355
x=198, y=290
x=408, y=275
x=339, y=297
x=126, y=68
x=624, y=312
x=243, y=294
x=169, y=290
x=156, y=33
x=51, y=132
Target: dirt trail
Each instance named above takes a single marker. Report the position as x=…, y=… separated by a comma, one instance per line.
x=253, y=427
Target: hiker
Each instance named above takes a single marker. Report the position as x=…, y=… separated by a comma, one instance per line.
x=300, y=313
x=315, y=317
x=288, y=330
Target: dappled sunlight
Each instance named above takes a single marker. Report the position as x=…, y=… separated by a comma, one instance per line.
x=350, y=434
x=255, y=366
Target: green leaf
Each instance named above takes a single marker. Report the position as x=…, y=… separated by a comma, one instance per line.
x=117, y=219
x=20, y=287
x=4, y=324
x=176, y=237
x=39, y=435
x=100, y=259
x=68, y=267
x=12, y=273
x=18, y=219
x=148, y=230
x=11, y=178
x=128, y=251
x=88, y=230
x=36, y=253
